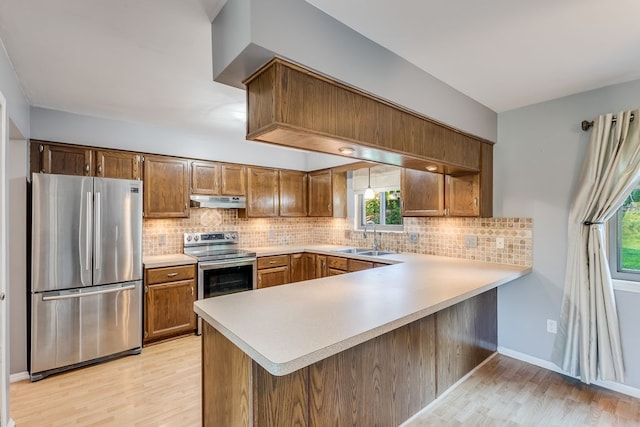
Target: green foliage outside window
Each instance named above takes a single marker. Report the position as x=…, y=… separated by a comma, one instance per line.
x=630, y=218
x=386, y=202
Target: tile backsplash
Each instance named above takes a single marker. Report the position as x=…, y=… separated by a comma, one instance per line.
x=436, y=236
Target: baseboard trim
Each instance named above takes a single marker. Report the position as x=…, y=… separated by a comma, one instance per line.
x=19, y=377
x=447, y=391
x=614, y=386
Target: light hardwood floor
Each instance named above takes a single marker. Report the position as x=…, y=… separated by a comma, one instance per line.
x=161, y=387
x=508, y=392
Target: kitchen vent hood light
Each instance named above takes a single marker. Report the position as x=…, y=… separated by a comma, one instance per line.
x=346, y=150
x=432, y=168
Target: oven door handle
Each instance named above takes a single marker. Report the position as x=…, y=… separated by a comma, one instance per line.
x=215, y=265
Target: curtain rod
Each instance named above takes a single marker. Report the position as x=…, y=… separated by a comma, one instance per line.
x=586, y=125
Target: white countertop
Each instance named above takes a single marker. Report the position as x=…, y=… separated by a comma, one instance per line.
x=170, y=260
x=286, y=328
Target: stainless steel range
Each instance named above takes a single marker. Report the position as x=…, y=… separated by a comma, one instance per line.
x=223, y=268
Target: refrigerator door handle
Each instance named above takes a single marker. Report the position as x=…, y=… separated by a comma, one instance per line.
x=87, y=294
x=98, y=231
x=88, y=250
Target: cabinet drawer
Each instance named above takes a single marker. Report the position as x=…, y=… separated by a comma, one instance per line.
x=273, y=261
x=357, y=265
x=337, y=263
x=169, y=274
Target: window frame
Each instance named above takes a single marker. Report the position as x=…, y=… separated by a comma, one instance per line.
x=360, y=214
x=614, y=232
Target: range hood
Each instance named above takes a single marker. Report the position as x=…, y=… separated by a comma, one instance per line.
x=220, y=202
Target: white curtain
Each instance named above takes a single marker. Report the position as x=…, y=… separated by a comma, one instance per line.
x=588, y=341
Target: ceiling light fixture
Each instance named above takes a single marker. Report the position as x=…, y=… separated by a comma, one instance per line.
x=368, y=193
x=346, y=150
x=432, y=168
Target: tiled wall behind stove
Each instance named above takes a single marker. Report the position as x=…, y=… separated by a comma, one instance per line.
x=436, y=236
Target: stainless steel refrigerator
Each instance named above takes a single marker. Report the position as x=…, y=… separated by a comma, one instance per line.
x=86, y=271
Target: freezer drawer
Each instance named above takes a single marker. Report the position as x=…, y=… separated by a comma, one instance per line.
x=78, y=325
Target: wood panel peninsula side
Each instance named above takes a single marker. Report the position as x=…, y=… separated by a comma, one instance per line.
x=371, y=347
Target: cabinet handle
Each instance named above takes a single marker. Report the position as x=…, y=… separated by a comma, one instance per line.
x=185, y=206
x=192, y=291
x=86, y=168
x=475, y=201
x=41, y=148
x=100, y=169
x=42, y=171
x=172, y=274
x=272, y=262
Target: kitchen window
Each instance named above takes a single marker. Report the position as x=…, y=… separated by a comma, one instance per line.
x=624, y=239
x=383, y=210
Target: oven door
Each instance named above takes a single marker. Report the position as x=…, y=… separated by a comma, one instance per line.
x=217, y=278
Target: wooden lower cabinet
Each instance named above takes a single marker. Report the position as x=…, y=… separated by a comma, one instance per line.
x=309, y=265
x=321, y=266
x=273, y=271
x=297, y=272
x=380, y=382
x=168, y=304
x=357, y=265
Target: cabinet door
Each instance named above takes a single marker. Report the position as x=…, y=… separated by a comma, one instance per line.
x=293, y=193
x=422, y=193
x=232, y=181
x=166, y=187
x=320, y=194
x=262, y=192
x=321, y=266
x=169, y=309
x=339, y=194
x=63, y=159
x=205, y=178
x=463, y=194
x=309, y=268
x=273, y=276
x=117, y=164
x=297, y=271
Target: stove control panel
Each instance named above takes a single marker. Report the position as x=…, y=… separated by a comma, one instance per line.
x=225, y=237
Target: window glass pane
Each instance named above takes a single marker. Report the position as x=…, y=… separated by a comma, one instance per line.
x=629, y=228
x=372, y=209
x=393, y=216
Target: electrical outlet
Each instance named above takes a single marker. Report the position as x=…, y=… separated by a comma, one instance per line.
x=162, y=240
x=500, y=242
x=552, y=326
x=471, y=241
x=413, y=237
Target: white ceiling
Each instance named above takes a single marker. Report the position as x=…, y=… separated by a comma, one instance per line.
x=505, y=54
x=150, y=60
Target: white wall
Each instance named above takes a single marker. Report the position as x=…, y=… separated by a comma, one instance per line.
x=297, y=30
x=60, y=126
x=17, y=103
x=537, y=163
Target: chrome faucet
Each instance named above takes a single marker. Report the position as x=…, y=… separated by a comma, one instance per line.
x=376, y=245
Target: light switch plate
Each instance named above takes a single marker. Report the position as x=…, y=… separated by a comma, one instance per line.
x=413, y=237
x=471, y=241
x=499, y=242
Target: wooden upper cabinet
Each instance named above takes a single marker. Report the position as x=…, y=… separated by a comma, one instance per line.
x=61, y=159
x=422, y=193
x=205, y=178
x=117, y=164
x=462, y=195
x=232, y=180
x=339, y=194
x=262, y=192
x=166, y=187
x=293, y=193
x=320, y=193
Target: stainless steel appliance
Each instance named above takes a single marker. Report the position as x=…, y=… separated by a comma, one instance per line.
x=86, y=271
x=223, y=268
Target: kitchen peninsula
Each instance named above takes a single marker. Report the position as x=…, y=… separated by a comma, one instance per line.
x=368, y=348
